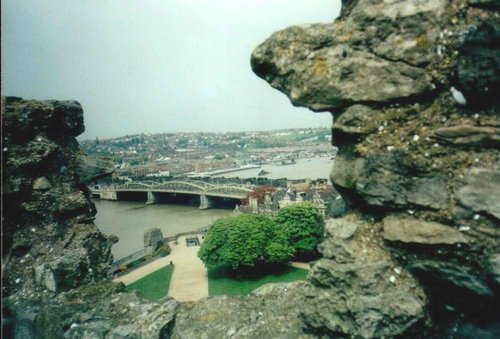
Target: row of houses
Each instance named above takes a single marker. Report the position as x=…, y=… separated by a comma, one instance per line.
x=269, y=200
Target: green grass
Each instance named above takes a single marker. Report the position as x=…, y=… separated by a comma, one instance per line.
x=226, y=282
x=155, y=285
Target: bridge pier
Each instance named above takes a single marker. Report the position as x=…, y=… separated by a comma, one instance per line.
x=205, y=202
x=152, y=198
x=254, y=204
x=108, y=195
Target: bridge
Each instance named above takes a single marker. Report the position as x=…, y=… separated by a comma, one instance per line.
x=154, y=190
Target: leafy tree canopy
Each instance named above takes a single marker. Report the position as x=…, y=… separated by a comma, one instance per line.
x=303, y=226
x=244, y=241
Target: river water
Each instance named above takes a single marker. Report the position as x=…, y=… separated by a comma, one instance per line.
x=128, y=220
x=312, y=168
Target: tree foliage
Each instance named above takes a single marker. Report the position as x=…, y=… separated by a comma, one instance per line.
x=244, y=241
x=303, y=226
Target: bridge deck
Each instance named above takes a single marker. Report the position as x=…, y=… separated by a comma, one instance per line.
x=181, y=187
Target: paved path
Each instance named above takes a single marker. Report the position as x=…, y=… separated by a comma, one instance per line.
x=189, y=279
x=303, y=265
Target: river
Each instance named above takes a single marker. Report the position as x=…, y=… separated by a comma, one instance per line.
x=128, y=220
x=312, y=168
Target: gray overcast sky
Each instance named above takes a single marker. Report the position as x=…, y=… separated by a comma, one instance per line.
x=154, y=66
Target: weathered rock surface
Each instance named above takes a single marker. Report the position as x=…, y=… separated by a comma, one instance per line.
x=91, y=168
x=448, y=274
x=482, y=192
x=336, y=245
x=41, y=184
x=127, y=315
x=411, y=153
x=352, y=124
x=328, y=76
x=269, y=312
x=421, y=232
x=479, y=63
x=320, y=66
x=101, y=310
x=391, y=180
x=53, y=254
x=355, y=291
x=49, y=218
x=474, y=136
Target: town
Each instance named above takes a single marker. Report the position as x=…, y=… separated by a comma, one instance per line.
x=155, y=167
x=184, y=154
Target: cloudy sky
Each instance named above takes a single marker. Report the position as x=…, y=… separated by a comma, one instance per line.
x=154, y=65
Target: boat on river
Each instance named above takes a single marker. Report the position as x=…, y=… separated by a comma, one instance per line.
x=263, y=172
x=286, y=162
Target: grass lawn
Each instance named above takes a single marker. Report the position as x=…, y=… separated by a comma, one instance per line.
x=155, y=285
x=224, y=282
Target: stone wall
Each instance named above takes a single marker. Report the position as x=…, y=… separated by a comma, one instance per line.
x=54, y=259
x=413, y=88
x=153, y=237
x=47, y=211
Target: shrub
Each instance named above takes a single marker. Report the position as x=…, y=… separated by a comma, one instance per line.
x=163, y=250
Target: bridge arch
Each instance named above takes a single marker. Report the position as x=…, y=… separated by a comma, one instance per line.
x=133, y=186
x=229, y=191
x=189, y=186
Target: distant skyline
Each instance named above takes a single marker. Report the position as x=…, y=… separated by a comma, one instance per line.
x=154, y=66
x=204, y=132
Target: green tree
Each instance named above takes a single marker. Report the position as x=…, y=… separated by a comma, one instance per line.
x=302, y=225
x=244, y=241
